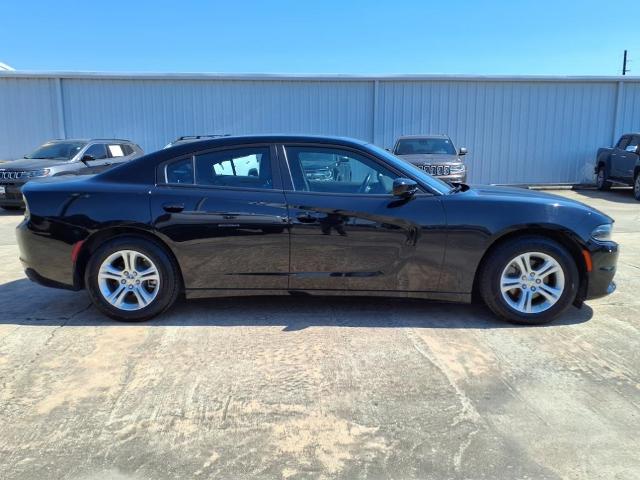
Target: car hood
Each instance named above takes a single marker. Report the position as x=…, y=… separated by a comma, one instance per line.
x=31, y=164
x=525, y=195
x=431, y=158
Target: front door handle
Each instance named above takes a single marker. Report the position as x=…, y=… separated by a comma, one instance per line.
x=173, y=207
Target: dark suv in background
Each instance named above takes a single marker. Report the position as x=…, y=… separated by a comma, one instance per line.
x=620, y=165
x=435, y=154
x=62, y=157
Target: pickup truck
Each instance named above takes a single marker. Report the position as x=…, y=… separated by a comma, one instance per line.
x=620, y=165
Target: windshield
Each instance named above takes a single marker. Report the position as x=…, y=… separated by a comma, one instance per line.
x=57, y=151
x=434, y=183
x=417, y=146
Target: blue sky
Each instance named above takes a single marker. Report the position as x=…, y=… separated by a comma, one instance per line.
x=324, y=36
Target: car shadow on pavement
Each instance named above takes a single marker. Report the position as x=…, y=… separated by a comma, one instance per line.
x=617, y=194
x=25, y=303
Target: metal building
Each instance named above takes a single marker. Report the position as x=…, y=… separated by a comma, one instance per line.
x=517, y=129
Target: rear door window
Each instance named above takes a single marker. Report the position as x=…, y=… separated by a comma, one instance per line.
x=243, y=167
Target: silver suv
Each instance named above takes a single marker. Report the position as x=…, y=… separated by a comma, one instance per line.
x=435, y=154
x=62, y=157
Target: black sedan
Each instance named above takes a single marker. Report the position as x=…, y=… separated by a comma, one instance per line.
x=253, y=215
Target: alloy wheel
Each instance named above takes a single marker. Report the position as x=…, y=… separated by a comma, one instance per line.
x=128, y=280
x=532, y=282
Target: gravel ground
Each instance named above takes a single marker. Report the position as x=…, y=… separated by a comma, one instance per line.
x=320, y=387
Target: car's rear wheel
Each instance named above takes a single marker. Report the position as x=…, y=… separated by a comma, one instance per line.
x=636, y=186
x=132, y=279
x=530, y=280
x=601, y=179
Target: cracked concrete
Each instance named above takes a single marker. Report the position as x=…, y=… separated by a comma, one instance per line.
x=320, y=388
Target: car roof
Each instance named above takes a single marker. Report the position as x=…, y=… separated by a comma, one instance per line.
x=87, y=140
x=435, y=135
x=248, y=139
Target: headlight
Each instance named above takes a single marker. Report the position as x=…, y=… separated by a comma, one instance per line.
x=457, y=168
x=43, y=172
x=602, y=233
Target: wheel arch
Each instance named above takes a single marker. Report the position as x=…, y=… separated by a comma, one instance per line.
x=93, y=242
x=566, y=239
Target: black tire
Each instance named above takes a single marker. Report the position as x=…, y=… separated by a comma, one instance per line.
x=601, y=179
x=636, y=186
x=12, y=208
x=170, y=280
x=497, y=261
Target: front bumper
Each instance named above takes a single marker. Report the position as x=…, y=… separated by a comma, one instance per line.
x=458, y=178
x=604, y=259
x=12, y=196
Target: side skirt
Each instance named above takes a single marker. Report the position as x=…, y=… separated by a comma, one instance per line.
x=440, y=296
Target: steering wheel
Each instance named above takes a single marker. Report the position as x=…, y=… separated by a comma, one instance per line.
x=365, y=184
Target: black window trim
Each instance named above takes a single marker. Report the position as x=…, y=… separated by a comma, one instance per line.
x=290, y=187
x=161, y=171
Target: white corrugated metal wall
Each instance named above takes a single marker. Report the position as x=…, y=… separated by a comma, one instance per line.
x=517, y=129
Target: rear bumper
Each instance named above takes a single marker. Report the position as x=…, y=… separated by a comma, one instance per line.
x=604, y=259
x=46, y=261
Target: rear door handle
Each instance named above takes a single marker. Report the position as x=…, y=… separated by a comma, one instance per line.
x=173, y=207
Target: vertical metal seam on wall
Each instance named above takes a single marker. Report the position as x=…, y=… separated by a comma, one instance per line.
x=374, y=123
x=62, y=131
x=616, y=112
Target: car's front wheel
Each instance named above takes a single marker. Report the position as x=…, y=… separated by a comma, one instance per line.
x=636, y=186
x=601, y=179
x=132, y=279
x=530, y=280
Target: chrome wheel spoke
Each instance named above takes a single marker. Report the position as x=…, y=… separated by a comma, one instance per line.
x=550, y=293
x=143, y=297
x=510, y=284
x=111, y=273
x=524, y=304
x=117, y=297
x=524, y=263
x=547, y=268
x=148, y=274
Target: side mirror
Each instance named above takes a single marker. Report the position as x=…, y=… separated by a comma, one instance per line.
x=87, y=158
x=389, y=150
x=404, y=187
x=463, y=151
